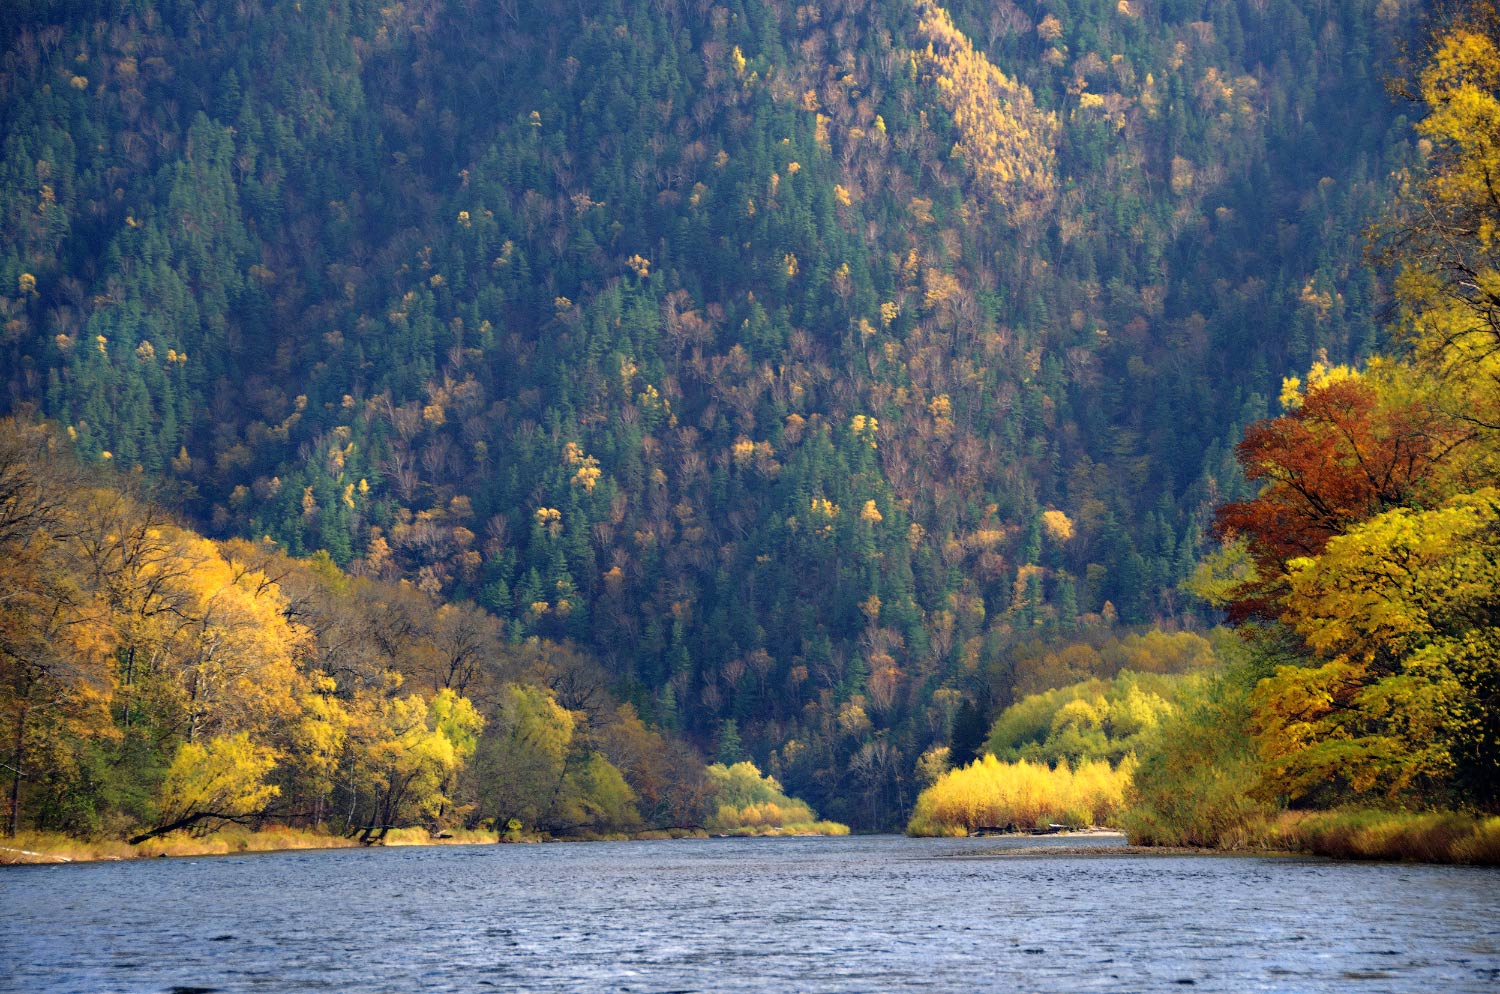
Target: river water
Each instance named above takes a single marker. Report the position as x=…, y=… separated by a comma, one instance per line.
x=772, y=915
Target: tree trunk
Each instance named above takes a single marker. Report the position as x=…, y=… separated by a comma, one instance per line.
x=17, y=772
x=129, y=683
x=191, y=819
x=13, y=823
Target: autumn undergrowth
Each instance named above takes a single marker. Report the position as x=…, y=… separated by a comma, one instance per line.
x=750, y=804
x=1361, y=833
x=1353, y=833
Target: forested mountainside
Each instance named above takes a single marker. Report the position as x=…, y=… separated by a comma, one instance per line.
x=810, y=366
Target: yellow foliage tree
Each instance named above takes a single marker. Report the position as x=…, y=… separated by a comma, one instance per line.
x=236, y=657
x=1005, y=141
x=523, y=761
x=1447, y=243
x=409, y=750
x=752, y=804
x=1400, y=609
x=223, y=779
x=1399, y=605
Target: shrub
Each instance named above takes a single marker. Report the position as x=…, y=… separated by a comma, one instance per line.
x=989, y=794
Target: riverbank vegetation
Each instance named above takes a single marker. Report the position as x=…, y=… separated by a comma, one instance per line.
x=1357, y=713
x=1089, y=721
x=1431, y=836
x=155, y=682
x=1365, y=575
x=751, y=804
x=1065, y=756
x=991, y=796
x=56, y=847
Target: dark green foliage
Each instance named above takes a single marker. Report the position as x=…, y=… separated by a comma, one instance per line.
x=970, y=726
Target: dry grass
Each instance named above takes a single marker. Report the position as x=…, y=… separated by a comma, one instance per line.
x=453, y=837
x=659, y=834
x=50, y=847
x=1482, y=846
x=793, y=828
x=1424, y=837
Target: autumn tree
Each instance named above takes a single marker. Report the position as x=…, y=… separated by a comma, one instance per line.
x=1403, y=612
x=1004, y=140
x=522, y=761
x=989, y=794
x=670, y=786
x=408, y=752
x=1351, y=445
x=222, y=780
x=55, y=643
x=1374, y=536
x=750, y=802
x=1443, y=237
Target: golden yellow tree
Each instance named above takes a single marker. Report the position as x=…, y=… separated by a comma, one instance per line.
x=55, y=642
x=222, y=779
x=1445, y=238
x=1005, y=141
x=1402, y=611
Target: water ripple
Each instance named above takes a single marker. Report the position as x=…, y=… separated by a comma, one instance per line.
x=816, y=915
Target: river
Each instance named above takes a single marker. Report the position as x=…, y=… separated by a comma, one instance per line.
x=773, y=915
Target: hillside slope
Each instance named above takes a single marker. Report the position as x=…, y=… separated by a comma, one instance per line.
x=797, y=361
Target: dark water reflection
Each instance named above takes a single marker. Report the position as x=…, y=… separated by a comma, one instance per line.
x=774, y=915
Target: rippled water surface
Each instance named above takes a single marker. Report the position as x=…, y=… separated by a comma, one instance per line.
x=774, y=915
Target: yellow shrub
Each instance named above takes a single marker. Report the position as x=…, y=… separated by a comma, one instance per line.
x=989, y=794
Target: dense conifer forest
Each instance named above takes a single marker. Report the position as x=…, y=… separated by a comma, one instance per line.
x=796, y=384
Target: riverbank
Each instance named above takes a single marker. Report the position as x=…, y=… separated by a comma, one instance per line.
x=1398, y=836
x=1050, y=833
x=1351, y=833
x=1102, y=851
x=50, y=847
x=38, y=848
x=1445, y=837
x=45, y=847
